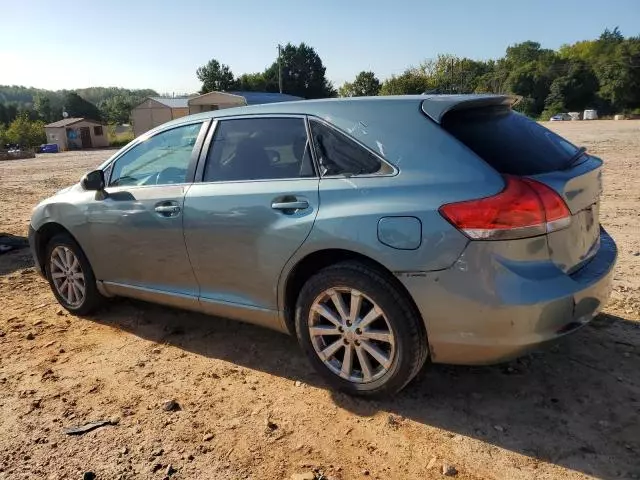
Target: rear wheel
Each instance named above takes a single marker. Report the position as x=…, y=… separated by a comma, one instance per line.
x=359, y=331
x=70, y=275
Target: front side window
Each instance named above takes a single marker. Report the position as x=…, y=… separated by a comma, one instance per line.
x=259, y=149
x=339, y=155
x=160, y=160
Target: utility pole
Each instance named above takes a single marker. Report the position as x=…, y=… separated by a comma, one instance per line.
x=451, y=77
x=279, y=69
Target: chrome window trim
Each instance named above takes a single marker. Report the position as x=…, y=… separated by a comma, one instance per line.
x=210, y=139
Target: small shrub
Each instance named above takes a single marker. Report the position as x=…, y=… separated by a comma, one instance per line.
x=550, y=111
x=119, y=139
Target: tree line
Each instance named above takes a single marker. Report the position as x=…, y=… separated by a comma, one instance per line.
x=603, y=74
x=303, y=75
x=110, y=104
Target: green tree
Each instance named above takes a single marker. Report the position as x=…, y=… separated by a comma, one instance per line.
x=42, y=105
x=25, y=132
x=612, y=36
x=11, y=112
x=252, y=82
x=575, y=90
x=531, y=69
x=76, y=106
x=412, y=81
x=3, y=135
x=365, y=84
x=619, y=73
x=303, y=73
x=216, y=77
x=116, y=110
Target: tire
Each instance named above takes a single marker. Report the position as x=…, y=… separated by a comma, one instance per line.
x=91, y=298
x=403, y=354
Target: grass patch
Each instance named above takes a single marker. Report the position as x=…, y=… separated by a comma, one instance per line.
x=119, y=136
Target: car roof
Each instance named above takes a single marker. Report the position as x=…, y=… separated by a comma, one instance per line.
x=434, y=105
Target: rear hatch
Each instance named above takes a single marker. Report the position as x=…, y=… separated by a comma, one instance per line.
x=521, y=148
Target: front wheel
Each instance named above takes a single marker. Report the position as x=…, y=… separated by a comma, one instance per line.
x=359, y=330
x=70, y=275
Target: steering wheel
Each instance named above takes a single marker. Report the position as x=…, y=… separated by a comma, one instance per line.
x=274, y=155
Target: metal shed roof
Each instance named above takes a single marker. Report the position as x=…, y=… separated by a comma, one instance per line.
x=172, y=102
x=257, y=98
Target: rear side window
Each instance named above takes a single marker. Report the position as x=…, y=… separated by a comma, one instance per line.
x=259, y=149
x=510, y=142
x=339, y=155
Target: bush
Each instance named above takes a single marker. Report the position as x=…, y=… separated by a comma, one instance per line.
x=25, y=132
x=550, y=111
x=119, y=139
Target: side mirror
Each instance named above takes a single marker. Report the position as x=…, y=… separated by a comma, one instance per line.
x=93, y=181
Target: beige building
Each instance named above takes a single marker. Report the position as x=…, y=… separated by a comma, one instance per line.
x=155, y=111
x=77, y=133
x=214, y=101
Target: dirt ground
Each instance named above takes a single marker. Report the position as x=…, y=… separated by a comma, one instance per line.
x=252, y=408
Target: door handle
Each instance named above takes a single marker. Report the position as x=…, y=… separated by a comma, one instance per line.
x=293, y=205
x=167, y=210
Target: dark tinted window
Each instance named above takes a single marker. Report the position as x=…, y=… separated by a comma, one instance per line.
x=510, y=142
x=259, y=148
x=339, y=155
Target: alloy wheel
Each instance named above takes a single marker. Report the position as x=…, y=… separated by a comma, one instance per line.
x=351, y=334
x=67, y=276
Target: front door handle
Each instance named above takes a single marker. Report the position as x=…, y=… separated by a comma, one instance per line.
x=167, y=209
x=293, y=205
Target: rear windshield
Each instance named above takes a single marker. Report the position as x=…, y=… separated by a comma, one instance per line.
x=510, y=142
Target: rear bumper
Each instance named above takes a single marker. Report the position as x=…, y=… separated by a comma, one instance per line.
x=483, y=312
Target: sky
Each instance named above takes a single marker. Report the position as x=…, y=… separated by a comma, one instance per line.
x=160, y=44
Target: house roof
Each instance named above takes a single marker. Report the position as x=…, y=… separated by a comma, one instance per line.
x=172, y=102
x=240, y=98
x=65, y=122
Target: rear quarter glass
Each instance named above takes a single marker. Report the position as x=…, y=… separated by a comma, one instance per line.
x=510, y=142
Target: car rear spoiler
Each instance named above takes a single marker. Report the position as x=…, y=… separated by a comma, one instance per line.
x=437, y=106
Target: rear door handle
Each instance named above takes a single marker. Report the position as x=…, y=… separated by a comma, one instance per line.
x=293, y=205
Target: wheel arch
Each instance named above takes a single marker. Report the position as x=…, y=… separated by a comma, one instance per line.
x=313, y=262
x=43, y=235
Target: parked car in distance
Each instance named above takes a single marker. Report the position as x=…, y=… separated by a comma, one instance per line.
x=381, y=231
x=560, y=117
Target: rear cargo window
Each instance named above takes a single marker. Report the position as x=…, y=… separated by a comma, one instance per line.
x=510, y=142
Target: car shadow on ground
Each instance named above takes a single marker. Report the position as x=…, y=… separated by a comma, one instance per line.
x=574, y=403
x=14, y=254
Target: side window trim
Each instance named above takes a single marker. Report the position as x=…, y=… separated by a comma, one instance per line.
x=210, y=138
x=195, y=153
x=385, y=164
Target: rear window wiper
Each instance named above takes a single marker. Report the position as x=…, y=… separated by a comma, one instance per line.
x=574, y=158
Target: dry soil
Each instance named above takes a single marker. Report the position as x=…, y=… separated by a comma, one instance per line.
x=251, y=407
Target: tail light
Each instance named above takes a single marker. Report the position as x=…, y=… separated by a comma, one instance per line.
x=525, y=208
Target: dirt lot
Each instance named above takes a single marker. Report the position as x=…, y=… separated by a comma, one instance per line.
x=251, y=407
